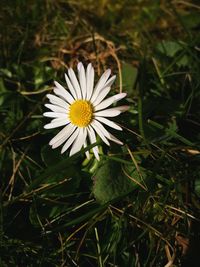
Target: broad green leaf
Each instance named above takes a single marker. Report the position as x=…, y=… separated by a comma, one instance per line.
x=169, y=48
x=50, y=156
x=64, y=165
x=6, y=72
x=129, y=76
x=110, y=181
x=197, y=187
x=183, y=61
x=41, y=211
x=192, y=19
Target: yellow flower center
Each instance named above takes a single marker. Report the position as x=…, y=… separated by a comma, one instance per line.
x=81, y=113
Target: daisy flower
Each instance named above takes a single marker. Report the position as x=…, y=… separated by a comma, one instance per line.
x=83, y=110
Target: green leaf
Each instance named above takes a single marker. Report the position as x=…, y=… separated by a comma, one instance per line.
x=169, y=48
x=66, y=164
x=41, y=211
x=6, y=72
x=62, y=182
x=129, y=76
x=51, y=156
x=197, y=187
x=183, y=61
x=110, y=181
x=191, y=20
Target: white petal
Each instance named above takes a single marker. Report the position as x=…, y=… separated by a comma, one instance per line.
x=60, y=141
x=109, y=123
x=92, y=141
x=109, y=101
x=56, y=108
x=77, y=145
x=70, y=86
x=114, y=139
x=65, y=132
x=87, y=152
x=100, y=84
x=57, y=101
x=107, y=134
x=55, y=115
x=121, y=108
x=61, y=91
x=54, y=124
x=110, y=81
x=89, y=80
x=101, y=95
x=107, y=113
x=70, y=140
x=103, y=79
x=82, y=79
x=102, y=128
x=75, y=83
x=100, y=133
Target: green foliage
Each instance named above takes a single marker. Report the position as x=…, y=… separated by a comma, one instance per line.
x=110, y=181
x=129, y=76
x=138, y=206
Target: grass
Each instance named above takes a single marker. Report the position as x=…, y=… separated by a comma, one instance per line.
x=139, y=206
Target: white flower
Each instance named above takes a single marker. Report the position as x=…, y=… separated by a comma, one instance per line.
x=83, y=110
